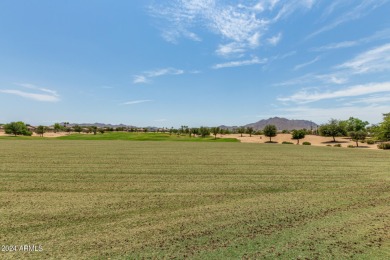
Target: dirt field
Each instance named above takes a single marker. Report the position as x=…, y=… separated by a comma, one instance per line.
x=50, y=134
x=313, y=139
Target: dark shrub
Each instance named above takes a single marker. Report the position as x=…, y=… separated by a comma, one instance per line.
x=306, y=143
x=384, y=146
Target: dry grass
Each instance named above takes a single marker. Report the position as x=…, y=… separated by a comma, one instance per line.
x=118, y=199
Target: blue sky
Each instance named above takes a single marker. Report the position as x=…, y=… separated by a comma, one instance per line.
x=200, y=62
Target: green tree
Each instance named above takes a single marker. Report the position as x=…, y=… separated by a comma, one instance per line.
x=17, y=128
x=58, y=127
x=77, y=128
x=204, y=131
x=356, y=129
x=383, y=130
x=355, y=125
x=215, y=131
x=358, y=136
x=298, y=134
x=40, y=130
x=222, y=131
x=333, y=128
x=194, y=131
x=270, y=131
x=249, y=130
x=101, y=130
x=94, y=129
x=241, y=130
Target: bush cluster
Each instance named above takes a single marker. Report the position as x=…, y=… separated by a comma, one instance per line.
x=370, y=141
x=384, y=146
x=306, y=143
x=287, y=142
x=337, y=145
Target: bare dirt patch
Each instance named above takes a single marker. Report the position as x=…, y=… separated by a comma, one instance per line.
x=49, y=134
x=313, y=139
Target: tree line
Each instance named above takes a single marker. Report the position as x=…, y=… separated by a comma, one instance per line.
x=355, y=128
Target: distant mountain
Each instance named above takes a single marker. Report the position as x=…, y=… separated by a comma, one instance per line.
x=283, y=124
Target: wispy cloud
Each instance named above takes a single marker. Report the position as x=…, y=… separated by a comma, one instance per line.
x=363, y=8
x=33, y=96
x=229, y=49
x=133, y=102
x=146, y=76
x=275, y=39
x=374, y=60
x=44, y=94
x=240, y=63
x=337, y=45
x=304, y=96
x=372, y=99
x=300, y=66
x=240, y=26
x=162, y=72
x=371, y=113
x=379, y=35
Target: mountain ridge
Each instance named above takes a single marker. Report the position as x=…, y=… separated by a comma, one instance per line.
x=283, y=124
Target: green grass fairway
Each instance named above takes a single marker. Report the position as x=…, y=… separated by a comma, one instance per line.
x=131, y=200
x=144, y=137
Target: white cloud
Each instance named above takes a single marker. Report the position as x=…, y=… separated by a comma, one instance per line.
x=369, y=62
x=374, y=60
x=379, y=35
x=162, y=72
x=229, y=49
x=33, y=96
x=373, y=99
x=289, y=7
x=356, y=12
x=319, y=115
x=137, y=79
x=147, y=75
x=332, y=78
x=136, y=102
x=338, y=45
x=275, y=39
x=48, y=95
x=297, y=81
x=304, y=96
x=300, y=66
x=254, y=40
x=240, y=27
x=239, y=63
x=31, y=86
